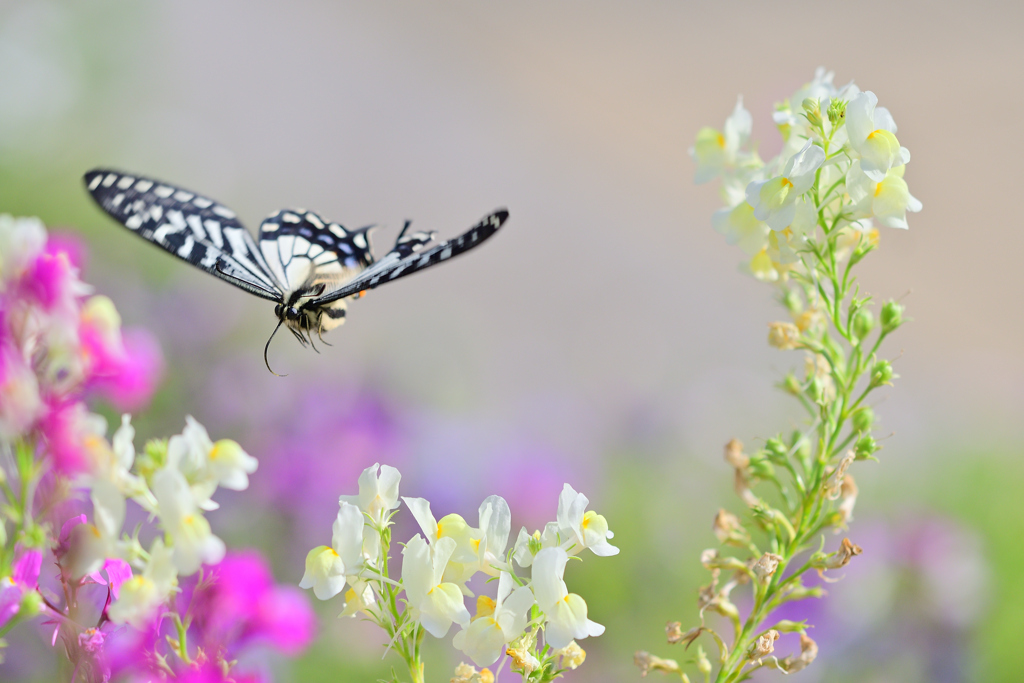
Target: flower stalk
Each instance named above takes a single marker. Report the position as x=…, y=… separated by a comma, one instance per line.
x=805, y=219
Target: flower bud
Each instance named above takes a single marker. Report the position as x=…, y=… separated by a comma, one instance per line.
x=31, y=605
x=892, y=316
x=776, y=449
x=863, y=323
x=837, y=113
x=791, y=300
x=787, y=626
x=812, y=110
x=791, y=385
x=784, y=336
x=703, y=663
x=863, y=419
x=816, y=391
x=760, y=467
x=881, y=373
x=866, y=446
x=728, y=529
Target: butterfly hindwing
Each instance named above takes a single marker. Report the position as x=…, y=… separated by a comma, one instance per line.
x=399, y=262
x=304, y=251
x=188, y=225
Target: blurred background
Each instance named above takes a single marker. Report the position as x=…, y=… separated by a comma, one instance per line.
x=606, y=337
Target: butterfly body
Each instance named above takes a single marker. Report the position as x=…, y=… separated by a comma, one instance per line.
x=308, y=266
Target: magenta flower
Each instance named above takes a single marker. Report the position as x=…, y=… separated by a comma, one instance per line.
x=24, y=579
x=238, y=604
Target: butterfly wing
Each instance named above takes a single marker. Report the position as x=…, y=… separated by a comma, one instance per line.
x=192, y=227
x=304, y=252
x=404, y=260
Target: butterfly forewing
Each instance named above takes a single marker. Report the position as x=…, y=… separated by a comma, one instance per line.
x=399, y=262
x=190, y=226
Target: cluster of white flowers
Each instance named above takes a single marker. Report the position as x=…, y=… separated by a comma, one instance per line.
x=174, y=482
x=841, y=169
x=438, y=563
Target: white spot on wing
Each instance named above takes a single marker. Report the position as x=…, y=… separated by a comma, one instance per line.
x=183, y=196
x=202, y=202
x=134, y=222
x=176, y=219
x=143, y=185
x=186, y=247
x=109, y=180
x=269, y=227
x=196, y=223
x=312, y=218
x=288, y=217
x=163, y=191
x=118, y=198
x=156, y=212
x=213, y=228
x=95, y=182
x=359, y=239
x=222, y=212
x=337, y=230
x=125, y=182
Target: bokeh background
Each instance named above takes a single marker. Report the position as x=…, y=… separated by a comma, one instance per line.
x=605, y=337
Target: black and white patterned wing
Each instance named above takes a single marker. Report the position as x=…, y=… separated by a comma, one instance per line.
x=400, y=262
x=304, y=251
x=188, y=225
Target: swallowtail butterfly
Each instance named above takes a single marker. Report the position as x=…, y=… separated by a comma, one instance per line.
x=306, y=265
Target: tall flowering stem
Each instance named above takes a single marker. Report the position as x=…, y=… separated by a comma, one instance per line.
x=533, y=621
x=805, y=220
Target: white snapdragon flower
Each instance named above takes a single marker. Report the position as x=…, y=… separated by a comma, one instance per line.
x=92, y=543
x=775, y=200
x=143, y=593
x=358, y=599
x=820, y=88
x=207, y=465
x=714, y=151
x=377, y=497
x=581, y=529
x=193, y=542
x=872, y=134
x=495, y=526
x=887, y=201
x=528, y=545
x=484, y=638
x=436, y=604
x=566, y=612
x=329, y=568
x=741, y=227
x=462, y=564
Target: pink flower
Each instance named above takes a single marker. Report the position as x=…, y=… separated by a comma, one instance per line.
x=238, y=604
x=122, y=367
x=20, y=403
x=24, y=579
x=69, y=431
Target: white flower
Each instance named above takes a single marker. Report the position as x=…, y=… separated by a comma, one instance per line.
x=142, y=594
x=741, y=227
x=528, y=545
x=715, y=152
x=378, y=496
x=92, y=543
x=329, y=568
x=192, y=540
x=495, y=526
x=21, y=241
x=463, y=563
x=207, y=465
x=566, y=612
x=582, y=529
x=358, y=599
x=887, y=201
x=436, y=605
x=483, y=639
x=872, y=134
x=774, y=200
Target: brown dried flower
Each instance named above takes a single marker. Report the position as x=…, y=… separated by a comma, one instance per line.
x=648, y=662
x=763, y=646
x=784, y=336
x=766, y=566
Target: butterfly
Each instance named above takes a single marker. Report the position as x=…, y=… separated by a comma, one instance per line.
x=308, y=266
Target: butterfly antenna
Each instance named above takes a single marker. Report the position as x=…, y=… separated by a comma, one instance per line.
x=310, y=335
x=402, y=234
x=266, y=350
